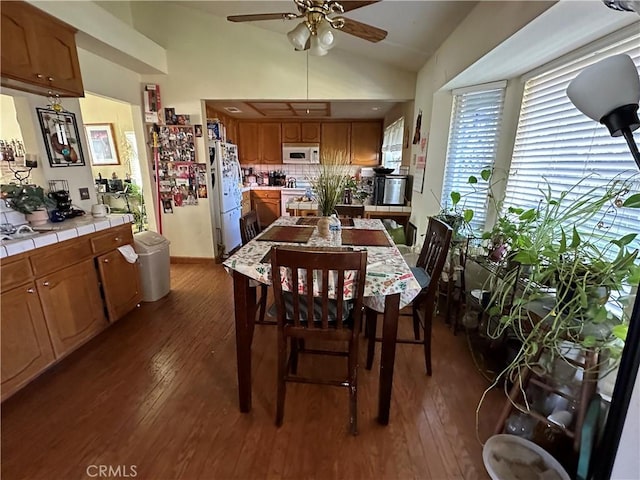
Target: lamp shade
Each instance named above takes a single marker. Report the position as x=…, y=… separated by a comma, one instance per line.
x=326, y=39
x=605, y=86
x=299, y=36
x=316, y=49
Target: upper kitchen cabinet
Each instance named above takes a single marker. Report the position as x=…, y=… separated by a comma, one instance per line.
x=270, y=143
x=301, y=132
x=336, y=136
x=248, y=142
x=38, y=52
x=366, y=143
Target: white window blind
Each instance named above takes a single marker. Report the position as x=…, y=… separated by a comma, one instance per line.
x=476, y=120
x=556, y=142
x=392, y=144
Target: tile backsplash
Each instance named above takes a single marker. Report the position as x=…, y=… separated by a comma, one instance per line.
x=302, y=173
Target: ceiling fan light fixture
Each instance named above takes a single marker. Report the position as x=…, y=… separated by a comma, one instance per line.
x=299, y=36
x=326, y=39
x=316, y=48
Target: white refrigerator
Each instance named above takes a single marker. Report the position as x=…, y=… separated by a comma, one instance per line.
x=225, y=179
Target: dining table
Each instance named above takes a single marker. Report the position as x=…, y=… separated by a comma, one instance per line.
x=389, y=286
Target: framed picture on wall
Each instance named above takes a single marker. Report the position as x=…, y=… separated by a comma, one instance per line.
x=61, y=138
x=102, y=147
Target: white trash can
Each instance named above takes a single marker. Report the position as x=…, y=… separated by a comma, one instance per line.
x=155, y=274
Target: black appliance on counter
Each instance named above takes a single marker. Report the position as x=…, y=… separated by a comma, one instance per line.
x=391, y=189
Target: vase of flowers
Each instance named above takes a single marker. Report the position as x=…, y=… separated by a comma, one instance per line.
x=328, y=187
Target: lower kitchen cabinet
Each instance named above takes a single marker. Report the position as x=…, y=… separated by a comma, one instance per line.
x=246, y=202
x=25, y=347
x=72, y=305
x=120, y=284
x=267, y=205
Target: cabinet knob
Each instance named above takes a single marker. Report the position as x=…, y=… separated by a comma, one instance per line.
x=30, y=290
x=51, y=79
x=117, y=239
x=106, y=260
x=38, y=75
x=45, y=284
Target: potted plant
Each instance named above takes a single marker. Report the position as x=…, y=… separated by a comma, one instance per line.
x=29, y=200
x=328, y=187
x=577, y=271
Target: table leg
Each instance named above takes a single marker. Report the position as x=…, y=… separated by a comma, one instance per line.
x=244, y=304
x=388, y=355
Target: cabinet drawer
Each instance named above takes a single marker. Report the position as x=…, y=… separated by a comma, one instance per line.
x=264, y=194
x=112, y=239
x=61, y=255
x=15, y=273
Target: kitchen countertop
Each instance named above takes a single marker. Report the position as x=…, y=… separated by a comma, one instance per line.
x=51, y=233
x=367, y=208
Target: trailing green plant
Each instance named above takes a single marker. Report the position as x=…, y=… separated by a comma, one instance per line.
x=328, y=186
x=26, y=199
x=569, y=250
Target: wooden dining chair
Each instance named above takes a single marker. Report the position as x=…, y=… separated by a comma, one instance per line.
x=332, y=317
x=249, y=229
x=429, y=266
x=350, y=211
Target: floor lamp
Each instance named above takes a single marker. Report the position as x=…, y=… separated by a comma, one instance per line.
x=609, y=92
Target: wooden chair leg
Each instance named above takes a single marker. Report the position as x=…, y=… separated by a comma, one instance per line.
x=282, y=372
x=263, y=302
x=428, y=318
x=295, y=343
x=416, y=319
x=372, y=320
x=353, y=387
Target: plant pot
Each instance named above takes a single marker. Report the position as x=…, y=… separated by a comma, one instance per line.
x=323, y=227
x=38, y=217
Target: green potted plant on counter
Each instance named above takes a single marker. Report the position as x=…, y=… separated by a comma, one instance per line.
x=29, y=200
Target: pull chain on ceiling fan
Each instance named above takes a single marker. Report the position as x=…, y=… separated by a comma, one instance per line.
x=319, y=18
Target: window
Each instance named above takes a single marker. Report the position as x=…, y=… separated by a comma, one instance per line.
x=473, y=140
x=392, y=145
x=555, y=141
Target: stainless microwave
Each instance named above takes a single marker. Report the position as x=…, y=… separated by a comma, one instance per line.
x=302, y=153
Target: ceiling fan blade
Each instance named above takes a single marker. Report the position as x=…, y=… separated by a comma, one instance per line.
x=262, y=16
x=349, y=5
x=364, y=31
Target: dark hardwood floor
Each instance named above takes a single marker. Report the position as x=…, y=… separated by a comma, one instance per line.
x=156, y=394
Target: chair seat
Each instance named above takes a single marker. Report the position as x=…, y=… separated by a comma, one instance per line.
x=347, y=308
x=423, y=278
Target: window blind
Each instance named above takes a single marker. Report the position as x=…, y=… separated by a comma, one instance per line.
x=556, y=142
x=473, y=140
x=392, y=144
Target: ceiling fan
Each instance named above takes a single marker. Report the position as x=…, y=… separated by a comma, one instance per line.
x=319, y=18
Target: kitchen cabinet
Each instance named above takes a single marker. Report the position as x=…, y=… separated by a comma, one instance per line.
x=301, y=132
x=270, y=143
x=25, y=348
x=336, y=136
x=120, y=284
x=248, y=142
x=38, y=52
x=72, y=305
x=267, y=205
x=366, y=143
x=246, y=202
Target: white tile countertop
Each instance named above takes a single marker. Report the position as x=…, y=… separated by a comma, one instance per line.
x=51, y=233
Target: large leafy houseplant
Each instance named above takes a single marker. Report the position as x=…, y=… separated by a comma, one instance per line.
x=576, y=265
x=26, y=199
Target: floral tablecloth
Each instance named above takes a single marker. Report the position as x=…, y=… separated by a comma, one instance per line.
x=387, y=271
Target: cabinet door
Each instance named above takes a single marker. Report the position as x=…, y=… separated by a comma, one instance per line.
x=336, y=137
x=291, y=132
x=366, y=143
x=57, y=56
x=120, y=284
x=310, y=132
x=248, y=142
x=72, y=305
x=267, y=205
x=18, y=51
x=25, y=346
x=270, y=143
x=246, y=202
